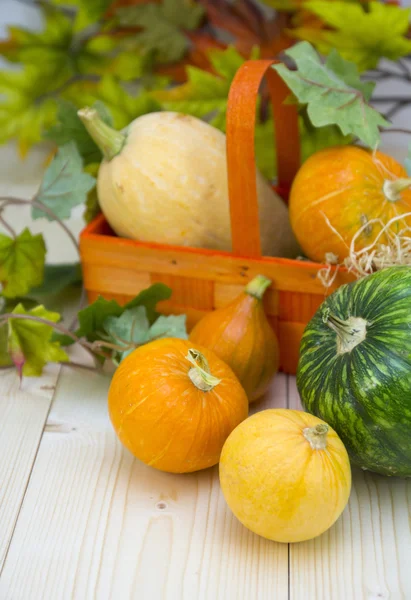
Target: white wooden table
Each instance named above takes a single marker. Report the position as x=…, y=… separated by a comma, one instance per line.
x=81, y=519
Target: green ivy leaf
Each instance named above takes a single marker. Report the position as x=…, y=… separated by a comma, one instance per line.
x=163, y=26
x=64, y=184
x=132, y=328
x=169, y=326
x=360, y=36
x=69, y=128
x=29, y=342
x=21, y=263
x=58, y=277
x=333, y=93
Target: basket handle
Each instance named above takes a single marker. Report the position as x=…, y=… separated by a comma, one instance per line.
x=241, y=169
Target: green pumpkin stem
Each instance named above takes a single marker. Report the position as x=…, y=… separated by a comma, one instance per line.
x=350, y=332
x=200, y=374
x=258, y=286
x=107, y=139
x=317, y=436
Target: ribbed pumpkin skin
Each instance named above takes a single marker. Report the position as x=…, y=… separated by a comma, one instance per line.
x=276, y=484
x=344, y=184
x=365, y=394
x=162, y=418
x=241, y=335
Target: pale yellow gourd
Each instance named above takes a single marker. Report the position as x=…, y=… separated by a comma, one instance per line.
x=285, y=474
x=164, y=179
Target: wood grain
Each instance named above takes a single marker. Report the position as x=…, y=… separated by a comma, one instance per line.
x=23, y=412
x=365, y=555
x=96, y=523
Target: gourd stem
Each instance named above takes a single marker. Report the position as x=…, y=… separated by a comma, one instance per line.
x=392, y=189
x=258, y=286
x=200, y=373
x=317, y=436
x=107, y=139
x=350, y=332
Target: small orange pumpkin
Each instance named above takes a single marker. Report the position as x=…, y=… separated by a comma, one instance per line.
x=349, y=186
x=173, y=404
x=241, y=335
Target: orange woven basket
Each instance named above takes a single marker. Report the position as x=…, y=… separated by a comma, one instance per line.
x=203, y=280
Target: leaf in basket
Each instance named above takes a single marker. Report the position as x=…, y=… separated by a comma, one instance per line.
x=333, y=93
x=205, y=95
x=21, y=263
x=29, y=342
x=359, y=35
x=169, y=326
x=64, y=184
x=149, y=298
x=163, y=26
x=69, y=128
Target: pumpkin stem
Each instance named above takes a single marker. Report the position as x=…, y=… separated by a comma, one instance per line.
x=107, y=139
x=392, y=189
x=200, y=374
x=258, y=286
x=317, y=436
x=350, y=333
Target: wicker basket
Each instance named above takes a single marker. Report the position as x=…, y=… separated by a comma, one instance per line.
x=203, y=280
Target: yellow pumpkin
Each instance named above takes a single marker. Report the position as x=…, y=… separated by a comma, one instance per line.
x=241, y=335
x=285, y=474
x=173, y=405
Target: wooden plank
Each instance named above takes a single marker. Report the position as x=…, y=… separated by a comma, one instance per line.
x=96, y=523
x=365, y=555
x=23, y=412
x=192, y=292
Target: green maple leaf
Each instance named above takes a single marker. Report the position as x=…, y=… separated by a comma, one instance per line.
x=333, y=93
x=21, y=263
x=163, y=26
x=29, y=342
x=50, y=47
x=123, y=107
x=205, y=95
x=88, y=11
x=64, y=184
x=26, y=109
x=361, y=37
x=70, y=128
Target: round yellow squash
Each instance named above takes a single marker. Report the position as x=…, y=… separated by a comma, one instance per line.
x=164, y=179
x=285, y=474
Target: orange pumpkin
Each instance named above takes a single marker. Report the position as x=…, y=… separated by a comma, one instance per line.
x=348, y=186
x=241, y=335
x=173, y=404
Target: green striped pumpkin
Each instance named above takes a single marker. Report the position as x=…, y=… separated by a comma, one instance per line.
x=354, y=370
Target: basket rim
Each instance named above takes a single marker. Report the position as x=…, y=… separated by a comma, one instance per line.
x=91, y=232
